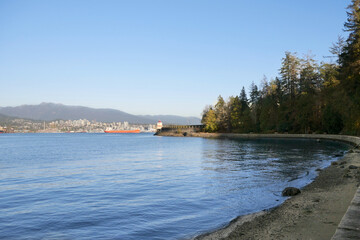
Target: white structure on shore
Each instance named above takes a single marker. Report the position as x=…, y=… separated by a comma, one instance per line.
x=159, y=125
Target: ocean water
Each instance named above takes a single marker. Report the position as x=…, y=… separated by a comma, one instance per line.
x=138, y=186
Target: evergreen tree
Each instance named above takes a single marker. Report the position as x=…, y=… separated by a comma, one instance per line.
x=221, y=114
x=338, y=48
x=243, y=99
x=254, y=103
x=329, y=75
x=309, y=76
x=235, y=114
x=350, y=69
x=254, y=94
x=350, y=57
x=278, y=92
x=332, y=120
x=265, y=89
x=268, y=115
x=289, y=72
x=245, y=116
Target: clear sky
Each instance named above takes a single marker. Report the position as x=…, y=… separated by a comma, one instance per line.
x=152, y=56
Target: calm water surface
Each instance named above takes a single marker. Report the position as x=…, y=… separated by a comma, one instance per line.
x=137, y=186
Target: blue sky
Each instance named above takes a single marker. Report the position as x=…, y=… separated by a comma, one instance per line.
x=153, y=57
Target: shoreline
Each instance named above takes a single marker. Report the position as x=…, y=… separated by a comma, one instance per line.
x=352, y=140
x=314, y=214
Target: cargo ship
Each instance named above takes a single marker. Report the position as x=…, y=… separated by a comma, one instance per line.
x=123, y=131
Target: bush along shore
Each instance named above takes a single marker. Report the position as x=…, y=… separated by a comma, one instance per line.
x=313, y=213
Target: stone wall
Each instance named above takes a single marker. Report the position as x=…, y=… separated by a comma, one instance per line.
x=344, y=138
x=180, y=129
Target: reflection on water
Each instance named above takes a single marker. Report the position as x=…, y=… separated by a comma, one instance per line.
x=99, y=186
x=254, y=172
x=269, y=159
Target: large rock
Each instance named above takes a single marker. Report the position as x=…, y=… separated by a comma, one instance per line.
x=290, y=191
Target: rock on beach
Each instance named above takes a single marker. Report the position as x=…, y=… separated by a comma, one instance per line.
x=290, y=191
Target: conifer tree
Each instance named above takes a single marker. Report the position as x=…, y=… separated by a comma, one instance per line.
x=254, y=94
x=235, y=114
x=350, y=69
x=289, y=72
x=254, y=106
x=221, y=114
x=338, y=48
x=243, y=98
x=309, y=76
x=350, y=57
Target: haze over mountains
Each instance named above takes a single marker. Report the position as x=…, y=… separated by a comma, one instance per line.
x=52, y=111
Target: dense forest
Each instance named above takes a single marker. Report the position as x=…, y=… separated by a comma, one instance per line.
x=306, y=97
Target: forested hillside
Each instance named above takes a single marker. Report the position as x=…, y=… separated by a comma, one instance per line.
x=306, y=97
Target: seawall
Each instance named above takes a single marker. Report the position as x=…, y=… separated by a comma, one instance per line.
x=353, y=140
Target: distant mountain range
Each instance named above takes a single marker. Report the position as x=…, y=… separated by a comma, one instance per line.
x=52, y=111
x=4, y=118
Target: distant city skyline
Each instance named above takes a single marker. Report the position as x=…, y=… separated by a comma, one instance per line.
x=153, y=57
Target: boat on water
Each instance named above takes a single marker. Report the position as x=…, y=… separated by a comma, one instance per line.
x=123, y=131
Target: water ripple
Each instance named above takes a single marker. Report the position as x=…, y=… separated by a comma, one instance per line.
x=99, y=186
